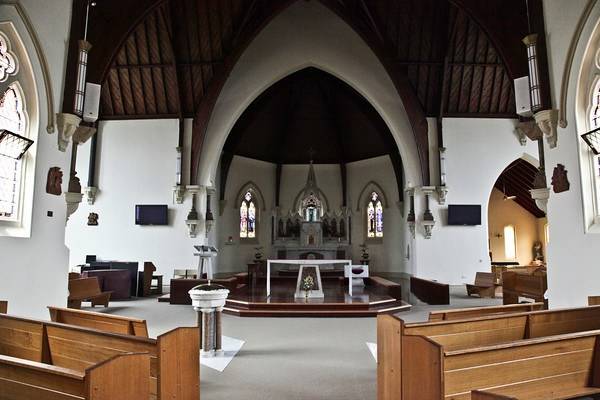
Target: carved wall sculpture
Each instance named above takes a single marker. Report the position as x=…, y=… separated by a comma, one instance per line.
x=560, y=181
x=54, y=181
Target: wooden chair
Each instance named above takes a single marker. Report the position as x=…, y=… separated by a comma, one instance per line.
x=121, y=377
x=86, y=289
x=174, y=364
x=475, y=312
x=149, y=269
x=99, y=321
x=3, y=306
x=484, y=285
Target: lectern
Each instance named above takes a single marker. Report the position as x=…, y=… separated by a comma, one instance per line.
x=205, y=255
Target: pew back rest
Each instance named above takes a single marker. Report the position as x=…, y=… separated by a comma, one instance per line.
x=85, y=288
x=476, y=312
x=472, y=332
x=99, y=321
x=525, y=283
x=569, y=358
x=556, y=322
x=484, y=279
x=3, y=306
x=21, y=338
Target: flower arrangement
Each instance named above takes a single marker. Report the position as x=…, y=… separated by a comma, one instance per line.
x=308, y=283
x=258, y=255
x=365, y=251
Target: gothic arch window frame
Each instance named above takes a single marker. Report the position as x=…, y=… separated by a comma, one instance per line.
x=364, y=200
x=23, y=81
x=587, y=85
x=259, y=206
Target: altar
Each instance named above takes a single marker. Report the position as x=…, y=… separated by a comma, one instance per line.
x=298, y=263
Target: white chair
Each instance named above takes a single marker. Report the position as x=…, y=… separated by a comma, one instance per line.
x=355, y=275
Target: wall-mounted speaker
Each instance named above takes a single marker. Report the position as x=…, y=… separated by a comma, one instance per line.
x=91, y=105
x=522, y=99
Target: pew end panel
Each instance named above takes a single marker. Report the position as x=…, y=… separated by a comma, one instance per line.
x=389, y=357
x=179, y=364
x=123, y=377
x=3, y=306
x=422, y=379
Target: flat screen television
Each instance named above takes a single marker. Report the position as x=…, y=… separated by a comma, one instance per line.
x=464, y=214
x=148, y=214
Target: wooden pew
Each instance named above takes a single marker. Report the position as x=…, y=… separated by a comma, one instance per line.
x=515, y=285
x=475, y=312
x=3, y=306
x=122, y=377
x=86, y=289
x=593, y=300
x=174, y=356
x=430, y=292
x=99, y=321
x=483, y=286
x=548, y=368
x=392, y=333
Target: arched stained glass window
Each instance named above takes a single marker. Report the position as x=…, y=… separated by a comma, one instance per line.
x=11, y=119
x=8, y=63
x=248, y=217
x=374, y=217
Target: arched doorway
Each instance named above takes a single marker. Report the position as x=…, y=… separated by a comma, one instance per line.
x=517, y=228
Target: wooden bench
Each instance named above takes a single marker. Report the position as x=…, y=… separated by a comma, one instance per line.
x=515, y=285
x=476, y=312
x=547, y=368
x=484, y=285
x=3, y=306
x=593, y=300
x=458, y=334
x=430, y=292
x=100, y=321
x=86, y=289
x=174, y=356
x=122, y=377
x=384, y=286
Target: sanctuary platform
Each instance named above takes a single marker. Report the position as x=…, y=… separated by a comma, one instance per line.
x=378, y=296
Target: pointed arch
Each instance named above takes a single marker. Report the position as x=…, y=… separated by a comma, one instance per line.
x=255, y=190
x=364, y=194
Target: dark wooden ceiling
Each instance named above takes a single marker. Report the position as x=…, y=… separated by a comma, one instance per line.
x=310, y=110
x=517, y=180
x=167, y=62
x=171, y=58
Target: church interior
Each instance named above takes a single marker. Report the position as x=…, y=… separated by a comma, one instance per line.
x=299, y=199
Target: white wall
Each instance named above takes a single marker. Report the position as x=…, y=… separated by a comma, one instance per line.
x=573, y=271
x=33, y=271
x=478, y=150
x=136, y=166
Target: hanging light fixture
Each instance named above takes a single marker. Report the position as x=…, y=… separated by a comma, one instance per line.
x=506, y=197
x=12, y=145
x=530, y=42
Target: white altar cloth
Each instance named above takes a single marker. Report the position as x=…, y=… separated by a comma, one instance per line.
x=299, y=262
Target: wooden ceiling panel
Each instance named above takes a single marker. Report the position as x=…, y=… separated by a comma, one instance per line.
x=168, y=62
x=517, y=180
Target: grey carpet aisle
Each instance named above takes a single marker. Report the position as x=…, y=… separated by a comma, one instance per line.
x=288, y=358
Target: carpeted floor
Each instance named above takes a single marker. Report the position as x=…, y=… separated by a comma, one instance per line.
x=289, y=358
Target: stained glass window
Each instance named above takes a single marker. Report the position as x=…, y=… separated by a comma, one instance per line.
x=374, y=217
x=11, y=118
x=594, y=120
x=248, y=217
x=8, y=63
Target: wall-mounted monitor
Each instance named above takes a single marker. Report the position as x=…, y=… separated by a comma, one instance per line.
x=150, y=214
x=464, y=214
